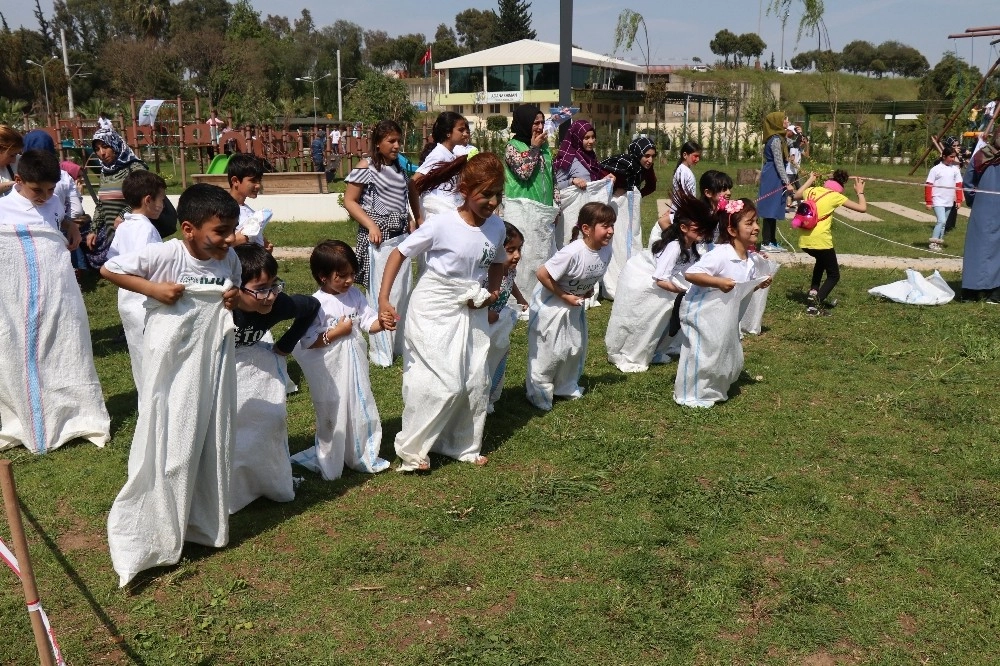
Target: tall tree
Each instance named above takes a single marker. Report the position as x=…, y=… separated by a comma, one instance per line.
x=244, y=22
x=935, y=83
x=725, y=44
x=44, y=28
x=749, y=45
x=445, y=44
x=476, y=29
x=857, y=56
x=810, y=23
x=377, y=97
x=148, y=17
x=514, y=21
x=189, y=16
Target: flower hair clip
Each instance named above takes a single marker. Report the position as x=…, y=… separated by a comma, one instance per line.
x=734, y=206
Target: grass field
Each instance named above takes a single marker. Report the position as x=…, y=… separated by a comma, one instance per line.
x=840, y=508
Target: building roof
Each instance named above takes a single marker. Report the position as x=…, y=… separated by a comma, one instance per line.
x=529, y=52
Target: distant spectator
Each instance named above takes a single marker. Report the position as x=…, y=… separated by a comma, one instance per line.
x=335, y=140
x=988, y=112
x=317, y=149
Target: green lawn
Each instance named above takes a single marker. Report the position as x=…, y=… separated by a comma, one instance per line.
x=840, y=508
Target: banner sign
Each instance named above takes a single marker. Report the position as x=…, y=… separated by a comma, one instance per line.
x=148, y=111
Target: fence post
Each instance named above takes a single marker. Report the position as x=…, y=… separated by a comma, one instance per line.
x=13, y=509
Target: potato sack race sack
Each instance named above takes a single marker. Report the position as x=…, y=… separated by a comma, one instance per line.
x=387, y=345
x=445, y=385
x=496, y=360
x=557, y=348
x=711, y=353
x=260, y=466
x=179, y=465
x=536, y=222
x=49, y=391
x=572, y=200
x=637, y=330
x=627, y=240
x=752, y=318
x=348, y=425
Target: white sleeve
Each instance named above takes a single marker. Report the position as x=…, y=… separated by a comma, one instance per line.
x=235, y=268
x=666, y=261
x=708, y=264
x=367, y=316
x=134, y=263
x=419, y=241
x=559, y=264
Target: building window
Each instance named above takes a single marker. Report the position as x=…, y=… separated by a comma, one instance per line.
x=622, y=80
x=459, y=108
x=503, y=78
x=465, y=80
x=494, y=108
x=586, y=77
x=477, y=109
x=542, y=77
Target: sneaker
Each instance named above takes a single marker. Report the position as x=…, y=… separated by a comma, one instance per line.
x=814, y=311
x=812, y=296
x=772, y=247
x=830, y=304
x=934, y=247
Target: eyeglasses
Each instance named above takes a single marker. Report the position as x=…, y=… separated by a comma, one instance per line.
x=264, y=294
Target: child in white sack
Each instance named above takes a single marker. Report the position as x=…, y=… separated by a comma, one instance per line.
x=144, y=192
x=502, y=318
x=261, y=466
x=557, y=323
x=446, y=340
x=334, y=357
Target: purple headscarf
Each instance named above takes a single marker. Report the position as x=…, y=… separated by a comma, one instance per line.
x=571, y=149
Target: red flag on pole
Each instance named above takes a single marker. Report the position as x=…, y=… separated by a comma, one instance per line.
x=427, y=57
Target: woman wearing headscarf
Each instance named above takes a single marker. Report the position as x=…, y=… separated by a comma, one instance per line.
x=774, y=182
x=634, y=168
x=980, y=268
x=117, y=161
x=529, y=192
x=580, y=178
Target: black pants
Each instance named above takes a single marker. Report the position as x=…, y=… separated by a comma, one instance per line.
x=952, y=219
x=770, y=228
x=826, y=261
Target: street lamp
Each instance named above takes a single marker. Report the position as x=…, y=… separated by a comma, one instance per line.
x=313, y=80
x=45, y=84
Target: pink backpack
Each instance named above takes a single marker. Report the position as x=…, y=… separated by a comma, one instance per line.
x=807, y=215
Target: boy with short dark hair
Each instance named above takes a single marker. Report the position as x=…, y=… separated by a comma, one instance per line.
x=245, y=172
x=178, y=472
x=145, y=193
x=31, y=201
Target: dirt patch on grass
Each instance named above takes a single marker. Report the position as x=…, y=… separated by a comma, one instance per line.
x=908, y=624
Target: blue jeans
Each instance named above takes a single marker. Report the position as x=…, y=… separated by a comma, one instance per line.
x=941, y=212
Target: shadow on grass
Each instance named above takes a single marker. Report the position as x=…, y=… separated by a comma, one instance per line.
x=104, y=341
x=743, y=380
x=85, y=592
x=122, y=408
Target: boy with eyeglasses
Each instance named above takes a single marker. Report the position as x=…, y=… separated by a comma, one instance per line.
x=260, y=463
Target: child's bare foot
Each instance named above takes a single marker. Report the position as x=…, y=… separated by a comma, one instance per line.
x=480, y=461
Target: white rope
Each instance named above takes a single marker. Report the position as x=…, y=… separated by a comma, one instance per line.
x=918, y=249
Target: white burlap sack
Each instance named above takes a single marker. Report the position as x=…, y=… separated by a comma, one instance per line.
x=557, y=348
x=572, y=200
x=917, y=289
x=445, y=385
x=627, y=239
x=178, y=468
x=637, y=330
x=711, y=353
x=49, y=391
x=536, y=221
x=496, y=360
x=387, y=345
x=132, y=310
x=753, y=316
x=260, y=465
x=348, y=425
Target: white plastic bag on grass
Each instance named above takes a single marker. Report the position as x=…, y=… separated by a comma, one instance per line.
x=348, y=425
x=179, y=465
x=753, y=317
x=536, y=221
x=637, y=330
x=496, y=360
x=627, y=240
x=711, y=352
x=49, y=391
x=917, y=289
x=387, y=345
x=557, y=348
x=445, y=385
x=572, y=199
x=260, y=465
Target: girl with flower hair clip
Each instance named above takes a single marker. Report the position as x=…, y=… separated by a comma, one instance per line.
x=711, y=353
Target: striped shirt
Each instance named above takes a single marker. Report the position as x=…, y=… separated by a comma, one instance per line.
x=384, y=190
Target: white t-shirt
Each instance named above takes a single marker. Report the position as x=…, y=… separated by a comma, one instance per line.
x=670, y=267
x=333, y=307
x=171, y=262
x=990, y=107
x=16, y=209
x=576, y=268
x=335, y=136
x=455, y=249
x=133, y=234
x=684, y=181
x=722, y=261
x=794, y=160
x=68, y=195
x=447, y=189
x=944, y=178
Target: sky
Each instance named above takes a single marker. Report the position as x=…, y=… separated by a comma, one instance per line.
x=678, y=31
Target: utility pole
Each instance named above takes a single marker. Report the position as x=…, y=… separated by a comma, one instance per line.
x=565, y=58
x=340, y=103
x=69, y=85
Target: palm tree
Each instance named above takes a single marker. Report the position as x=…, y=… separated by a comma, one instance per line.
x=149, y=17
x=11, y=111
